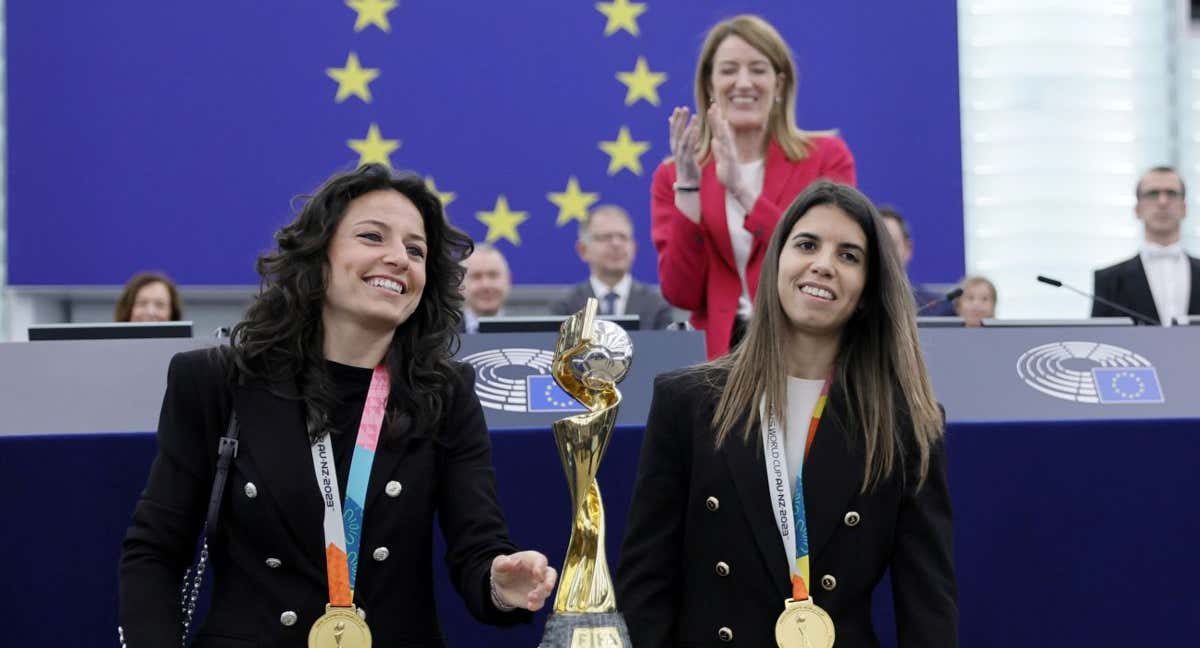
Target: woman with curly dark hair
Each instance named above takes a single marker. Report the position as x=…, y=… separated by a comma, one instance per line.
x=340, y=382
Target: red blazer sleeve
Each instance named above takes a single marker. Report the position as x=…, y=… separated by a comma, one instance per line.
x=837, y=163
x=681, y=245
x=829, y=158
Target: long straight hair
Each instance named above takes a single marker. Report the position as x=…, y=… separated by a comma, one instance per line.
x=762, y=36
x=879, y=366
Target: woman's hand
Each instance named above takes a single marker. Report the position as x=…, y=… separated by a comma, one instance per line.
x=685, y=133
x=523, y=580
x=725, y=154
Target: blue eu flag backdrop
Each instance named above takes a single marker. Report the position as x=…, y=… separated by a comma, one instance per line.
x=154, y=135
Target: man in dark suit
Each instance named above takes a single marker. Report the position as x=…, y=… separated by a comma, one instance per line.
x=606, y=245
x=1161, y=282
x=932, y=303
x=486, y=286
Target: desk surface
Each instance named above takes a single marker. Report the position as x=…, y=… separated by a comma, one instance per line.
x=980, y=375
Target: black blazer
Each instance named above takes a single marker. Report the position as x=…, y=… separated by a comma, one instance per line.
x=1125, y=283
x=644, y=301
x=702, y=552
x=280, y=518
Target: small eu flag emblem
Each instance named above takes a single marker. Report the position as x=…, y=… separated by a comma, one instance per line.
x=546, y=396
x=1127, y=385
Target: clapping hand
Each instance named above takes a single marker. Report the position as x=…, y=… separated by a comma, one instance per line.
x=685, y=133
x=523, y=579
x=725, y=154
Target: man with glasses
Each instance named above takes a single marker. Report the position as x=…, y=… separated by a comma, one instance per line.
x=1162, y=282
x=606, y=245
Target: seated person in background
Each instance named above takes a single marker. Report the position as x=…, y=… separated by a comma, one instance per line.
x=977, y=302
x=898, y=228
x=606, y=245
x=485, y=286
x=149, y=297
x=1161, y=281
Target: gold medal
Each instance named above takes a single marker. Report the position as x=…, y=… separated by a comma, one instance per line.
x=803, y=625
x=340, y=627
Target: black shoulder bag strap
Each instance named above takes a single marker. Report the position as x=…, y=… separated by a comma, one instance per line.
x=190, y=591
x=227, y=449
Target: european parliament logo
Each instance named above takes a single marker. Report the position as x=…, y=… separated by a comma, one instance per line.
x=1090, y=372
x=519, y=380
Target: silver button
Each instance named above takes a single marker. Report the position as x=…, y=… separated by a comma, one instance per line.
x=251, y=490
x=722, y=568
x=828, y=582
x=288, y=618
x=852, y=519
x=273, y=562
x=393, y=488
x=362, y=614
x=380, y=554
x=725, y=634
x=712, y=503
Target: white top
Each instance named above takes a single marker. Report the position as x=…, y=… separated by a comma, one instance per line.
x=752, y=180
x=802, y=400
x=1170, y=278
x=622, y=289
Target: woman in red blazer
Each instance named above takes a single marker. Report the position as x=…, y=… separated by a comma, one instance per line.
x=715, y=202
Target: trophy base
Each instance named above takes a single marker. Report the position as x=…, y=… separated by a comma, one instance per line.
x=592, y=630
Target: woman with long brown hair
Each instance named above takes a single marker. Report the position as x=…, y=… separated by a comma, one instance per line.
x=148, y=297
x=801, y=466
x=735, y=164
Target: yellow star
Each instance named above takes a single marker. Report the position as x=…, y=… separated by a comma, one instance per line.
x=624, y=153
x=501, y=222
x=572, y=203
x=446, y=197
x=642, y=83
x=372, y=12
x=353, y=79
x=374, y=148
x=621, y=14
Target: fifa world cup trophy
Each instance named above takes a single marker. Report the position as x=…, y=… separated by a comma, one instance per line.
x=591, y=357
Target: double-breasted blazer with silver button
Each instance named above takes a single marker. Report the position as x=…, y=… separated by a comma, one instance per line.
x=703, y=564
x=273, y=510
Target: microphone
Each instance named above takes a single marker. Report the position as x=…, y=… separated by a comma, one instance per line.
x=1137, y=317
x=948, y=297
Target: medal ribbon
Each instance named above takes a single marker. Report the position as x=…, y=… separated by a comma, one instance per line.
x=791, y=520
x=343, y=527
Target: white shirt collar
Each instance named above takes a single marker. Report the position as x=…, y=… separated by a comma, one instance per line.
x=622, y=288
x=471, y=320
x=1150, y=249
x=600, y=289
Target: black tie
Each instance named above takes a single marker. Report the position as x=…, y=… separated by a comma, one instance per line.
x=610, y=304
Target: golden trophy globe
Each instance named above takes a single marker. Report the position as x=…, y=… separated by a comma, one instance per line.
x=591, y=357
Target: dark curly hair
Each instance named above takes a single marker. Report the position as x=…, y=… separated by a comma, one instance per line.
x=281, y=336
